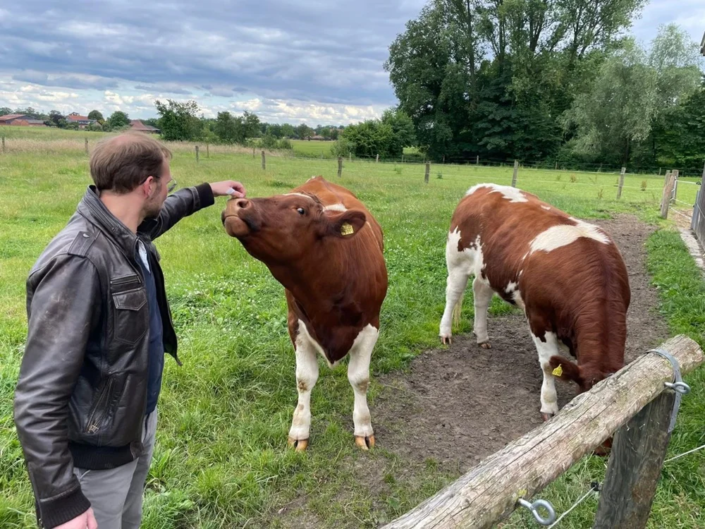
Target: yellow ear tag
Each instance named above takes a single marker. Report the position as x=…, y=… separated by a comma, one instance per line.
x=346, y=229
x=558, y=371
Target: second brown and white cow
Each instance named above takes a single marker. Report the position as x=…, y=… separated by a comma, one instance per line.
x=567, y=275
x=325, y=248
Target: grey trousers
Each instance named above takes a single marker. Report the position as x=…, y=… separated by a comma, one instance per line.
x=116, y=494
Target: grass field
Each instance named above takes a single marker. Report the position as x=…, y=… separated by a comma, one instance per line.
x=221, y=458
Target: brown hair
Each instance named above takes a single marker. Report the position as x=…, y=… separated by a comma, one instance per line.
x=123, y=162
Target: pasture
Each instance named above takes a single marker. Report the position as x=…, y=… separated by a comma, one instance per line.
x=221, y=458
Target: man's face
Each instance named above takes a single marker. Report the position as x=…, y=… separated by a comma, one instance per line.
x=155, y=201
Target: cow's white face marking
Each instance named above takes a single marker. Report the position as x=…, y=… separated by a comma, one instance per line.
x=546, y=349
x=565, y=234
x=335, y=207
x=510, y=193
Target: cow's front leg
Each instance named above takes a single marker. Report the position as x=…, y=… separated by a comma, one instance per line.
x=455, y=287
x=359, y=377
x=547, y=346
x=306, y=377
x=482, y=295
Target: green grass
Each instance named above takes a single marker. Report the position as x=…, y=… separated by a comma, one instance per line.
x=312, y=149
x=221, y=458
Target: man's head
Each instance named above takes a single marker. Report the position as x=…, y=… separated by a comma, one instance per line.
x=133, y=164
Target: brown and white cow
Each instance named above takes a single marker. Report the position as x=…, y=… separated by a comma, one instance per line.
x=567, y=275
x=325, y=248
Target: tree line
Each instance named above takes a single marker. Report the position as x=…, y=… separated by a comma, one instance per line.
x=549, y=81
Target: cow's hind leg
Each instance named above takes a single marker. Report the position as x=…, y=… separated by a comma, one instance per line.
x=306, y=377
x=482, y=293
x=547, y=346
x=359, y=377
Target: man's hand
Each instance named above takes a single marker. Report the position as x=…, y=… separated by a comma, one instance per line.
x=84, y=521
x=228, y=187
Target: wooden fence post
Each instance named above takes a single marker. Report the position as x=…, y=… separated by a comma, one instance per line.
x=477, y=160
x=3, y=144
x=621, y=182
x=556, y=166
x=667, y=191
x=208, y=150
x=428, y=171
x=264, y=161
x=196, y=153
x=86, y=144
x=675, y=186
x=634, y=467
x=340, y=166
x=377, y=159
x=516, y=172
x=700, y=183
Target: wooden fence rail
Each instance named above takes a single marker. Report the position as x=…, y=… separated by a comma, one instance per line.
x=490, y=491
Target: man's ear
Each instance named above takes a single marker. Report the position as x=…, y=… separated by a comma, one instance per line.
x=344, y=225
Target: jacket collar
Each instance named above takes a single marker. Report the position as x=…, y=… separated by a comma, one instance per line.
x=93, y=209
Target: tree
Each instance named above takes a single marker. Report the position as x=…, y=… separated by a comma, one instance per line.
x=56, y=119
x=617, y=111
x=4, y=111
x=178, y=121
x=226, y=128
x=403, y=133
x=118, y=119
x=96, y=115
x=303, y=132
x=288, y=131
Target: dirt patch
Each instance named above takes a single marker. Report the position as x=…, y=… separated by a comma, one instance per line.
x=466, y=402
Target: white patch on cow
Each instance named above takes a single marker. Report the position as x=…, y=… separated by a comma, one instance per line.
x=306, y=377
x=359, y=377
x=565, y=234
x=510, y=193
x=546, y=208
x=460, y=264
x=547, y=349
x=482, y=295
x=335, y=207
x=519, y=300
x=313, y=178
x=511, y=287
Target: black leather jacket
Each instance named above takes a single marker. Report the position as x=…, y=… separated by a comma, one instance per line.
x=82, y=390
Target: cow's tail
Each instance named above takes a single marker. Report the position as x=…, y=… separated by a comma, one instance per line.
x=565, y=369
x=457, y=310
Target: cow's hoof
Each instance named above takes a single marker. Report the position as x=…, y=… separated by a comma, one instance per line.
x=446, y=340
x=485, y=345
x=365, y=443
x=546, y=416
x=299, y=444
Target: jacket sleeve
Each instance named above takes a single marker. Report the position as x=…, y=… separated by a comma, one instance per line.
x=63, y=309
x=177, y=206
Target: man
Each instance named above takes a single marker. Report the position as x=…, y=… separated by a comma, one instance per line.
x=99, y=324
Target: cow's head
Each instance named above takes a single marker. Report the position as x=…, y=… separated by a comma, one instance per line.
x=283, y=229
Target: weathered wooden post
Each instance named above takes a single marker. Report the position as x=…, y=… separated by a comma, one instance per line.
x=86, y=145
x=556, y=166
x=428, y=171
x=675, y=186
x=634, y=467
x=340, y=166
x=667, y=191
x=477, y=160
x=3, y=144
x=621, y=182
x=208, y=150
x=196, y=153
x=516, y=172
x=377, y=159
x=264, y=161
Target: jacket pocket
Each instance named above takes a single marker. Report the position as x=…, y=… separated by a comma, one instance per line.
x=99, y=408
x=131, y=311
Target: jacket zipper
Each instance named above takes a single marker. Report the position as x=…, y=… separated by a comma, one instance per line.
x=92, y=427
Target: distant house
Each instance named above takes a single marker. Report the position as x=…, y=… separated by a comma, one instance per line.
x=10, y=119
x=317, y=138
x=35, y=123
x=137, y=125
x=82, y=121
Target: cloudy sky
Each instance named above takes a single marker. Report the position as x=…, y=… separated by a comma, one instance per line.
x=318, y=61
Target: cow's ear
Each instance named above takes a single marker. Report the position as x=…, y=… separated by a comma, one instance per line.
x=344, y=225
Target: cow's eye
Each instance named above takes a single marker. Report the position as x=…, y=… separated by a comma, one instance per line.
x=301, y=211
